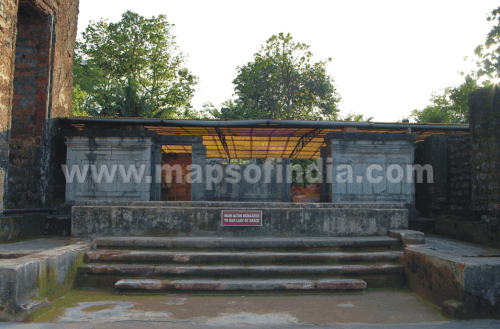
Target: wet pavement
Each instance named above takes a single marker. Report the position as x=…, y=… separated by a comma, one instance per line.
x=384, y=307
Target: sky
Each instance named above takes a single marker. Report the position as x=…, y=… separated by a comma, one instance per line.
x=388, y=56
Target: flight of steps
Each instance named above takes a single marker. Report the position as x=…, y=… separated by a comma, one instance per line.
x=243, y=264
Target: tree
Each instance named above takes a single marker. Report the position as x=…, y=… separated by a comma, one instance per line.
x=489, y=54
x=136, y=60
x=283, y=83
x=449, y=107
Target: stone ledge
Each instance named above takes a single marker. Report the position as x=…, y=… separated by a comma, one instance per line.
x=408, y=237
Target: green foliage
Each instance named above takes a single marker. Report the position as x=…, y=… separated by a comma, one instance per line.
x=450, y=106
x=489, y=54
x=133, y=66
x=282, y=83
x=78, y=101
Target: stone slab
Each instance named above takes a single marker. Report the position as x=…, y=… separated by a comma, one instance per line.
x=241, y=285
x=408, y=237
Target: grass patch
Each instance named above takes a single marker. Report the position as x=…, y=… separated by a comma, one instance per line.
x=97, y=308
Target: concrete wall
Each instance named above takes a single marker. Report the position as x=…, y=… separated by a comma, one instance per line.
x=114, y=148
x=359, y=151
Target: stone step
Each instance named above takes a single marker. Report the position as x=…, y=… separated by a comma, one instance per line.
x=371, y=243
x=247, y=258
x=240, y=285
x=240, y=271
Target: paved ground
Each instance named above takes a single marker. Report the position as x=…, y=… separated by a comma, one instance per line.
x=476, y=324
x=461, y=249
x=373, y=306
x=11, y=250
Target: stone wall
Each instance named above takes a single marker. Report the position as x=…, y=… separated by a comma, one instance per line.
x=460, y=173
x=450, y=190
x=203, y=219
x=470, y=208
x=117, y=153
x=359, y=151
x=484, y=118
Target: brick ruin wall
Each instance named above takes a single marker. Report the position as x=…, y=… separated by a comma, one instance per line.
x=37, y=40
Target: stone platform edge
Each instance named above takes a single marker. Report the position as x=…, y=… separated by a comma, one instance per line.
x=30, y=282
x=465, y=287
x=110, y=220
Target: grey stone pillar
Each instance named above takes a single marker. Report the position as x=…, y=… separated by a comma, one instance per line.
x=324, y=181
x=286, y=185
x=119, y=152
x=199, y=157
x=156, y=171
x=353, y=154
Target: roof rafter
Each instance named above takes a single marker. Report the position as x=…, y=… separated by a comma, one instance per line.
x=223, y=141
x=304, y=140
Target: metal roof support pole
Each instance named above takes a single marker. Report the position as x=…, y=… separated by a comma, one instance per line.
x=304, y=140
x=223, y=141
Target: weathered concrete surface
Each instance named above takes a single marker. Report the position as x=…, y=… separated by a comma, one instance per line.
x=32, y=281
x=319, y=243
x=94, y=221
x=444, y=270
x=408, y=237
x=241, y=285
x=248, y=258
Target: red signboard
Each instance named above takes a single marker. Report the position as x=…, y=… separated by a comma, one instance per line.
x=241, y=218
